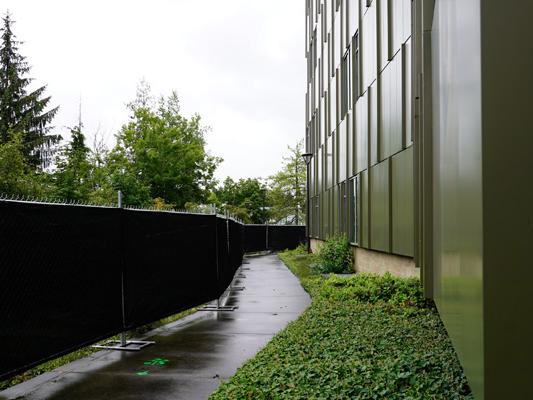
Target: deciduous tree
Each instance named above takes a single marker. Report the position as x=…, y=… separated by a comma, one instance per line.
x=245, y=198
x=287, y=194
x=161, y=154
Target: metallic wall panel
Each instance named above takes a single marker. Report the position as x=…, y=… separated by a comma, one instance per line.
x=344, y=25
x=402, y=198
x=329, y=162
x=335, y=208
x=507, y=99
x=361, y=119
x=365, y=214
x=458, y=205
x=333, y=104
x=335, y=169
x=350, y=145
x=407, y=93
x=320, y=124
x=391, y=109
x=312, y=179
x=373, y=123
x=369, y=50
x=326, y=217
x=380, y=207
x=384, y=33
x=337, y=41
x=316, y=85
x=342, y=150
x=353, y=16
x=320, y=170
x=401, y=26
x=325, y=65
x=353, y=135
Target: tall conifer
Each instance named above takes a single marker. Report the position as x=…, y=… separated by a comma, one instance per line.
x=22, y=111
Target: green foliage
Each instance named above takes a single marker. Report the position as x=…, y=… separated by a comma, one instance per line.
x=246, y=199
x=20, y=110
x=73, y=175
x=353, y=351
x=16, y=176
x=335, y=256
x=355, y=344
x=159, y=160
x=299, y=261
x=161, y=154
x=372, y=289
x=287, y=194
x=13, y=168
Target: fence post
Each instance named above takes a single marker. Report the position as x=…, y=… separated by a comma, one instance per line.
x=266, y=248
x=216, y=247
x=123, y=341
x=227, y=232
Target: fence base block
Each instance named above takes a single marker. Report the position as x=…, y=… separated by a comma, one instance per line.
x=217, y=308
x=130, y=345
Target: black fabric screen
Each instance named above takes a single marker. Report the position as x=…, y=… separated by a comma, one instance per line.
x=255, y=238
x=235, y=244
x=272, y=237
x=60, y=277
x=170, y=264
x=281, y=237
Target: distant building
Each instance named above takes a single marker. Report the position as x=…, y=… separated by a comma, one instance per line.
x=418, y=116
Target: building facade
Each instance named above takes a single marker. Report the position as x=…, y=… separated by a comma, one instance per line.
x=418, y=116
x=359, y=129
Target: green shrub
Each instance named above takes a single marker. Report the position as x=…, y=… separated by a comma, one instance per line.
x=371, y=288
x=334, y=256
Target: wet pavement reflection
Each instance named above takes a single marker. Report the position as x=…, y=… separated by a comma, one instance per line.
x=191, y=357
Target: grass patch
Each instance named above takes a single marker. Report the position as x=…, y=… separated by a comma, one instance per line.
x=363, y=337
x=86, y=351
x=298, y=261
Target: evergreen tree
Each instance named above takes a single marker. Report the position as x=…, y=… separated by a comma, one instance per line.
x=73, y=176
x=20, y=110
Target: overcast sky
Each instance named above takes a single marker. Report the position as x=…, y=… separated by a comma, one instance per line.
x=238, y=63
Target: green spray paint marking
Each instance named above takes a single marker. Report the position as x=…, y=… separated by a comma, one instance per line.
x=143, y=373
x=156, y=361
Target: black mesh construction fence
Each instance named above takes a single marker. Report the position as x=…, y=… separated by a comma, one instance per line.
x=73, y=275
x=281, y=237
x=60, y=280
x=272, y=237
x=170, y=262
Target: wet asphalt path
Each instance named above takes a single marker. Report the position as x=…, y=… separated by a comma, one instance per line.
x=191, y=357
